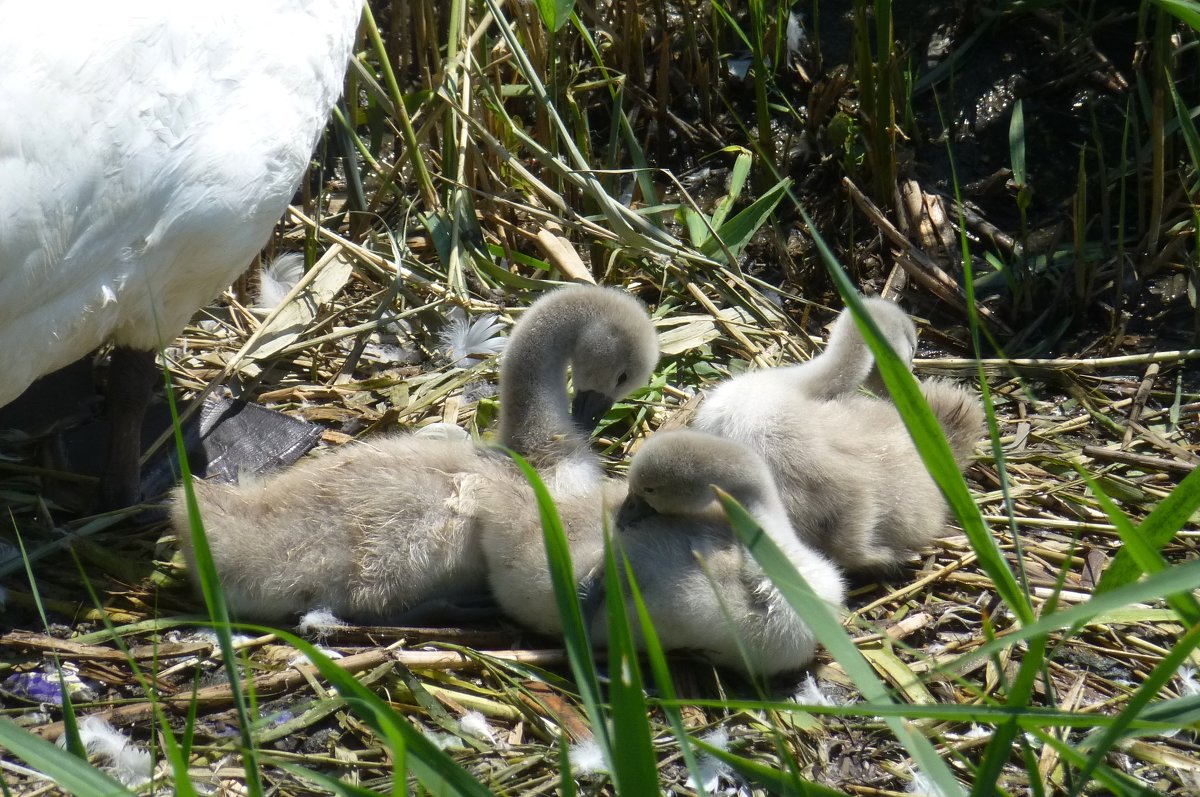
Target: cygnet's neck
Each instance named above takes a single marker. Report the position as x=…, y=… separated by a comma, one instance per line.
x=535, y=417
x=840, y=369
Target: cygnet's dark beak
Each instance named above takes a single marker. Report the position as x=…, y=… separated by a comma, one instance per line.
x=633, y=509
x=588, y=408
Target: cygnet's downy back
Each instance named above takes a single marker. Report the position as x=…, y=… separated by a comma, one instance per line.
x=610, y=344
x=743, y=407
x=379, y=526
x=702, y=588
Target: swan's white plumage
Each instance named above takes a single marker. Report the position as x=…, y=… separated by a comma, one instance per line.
x=146, y=150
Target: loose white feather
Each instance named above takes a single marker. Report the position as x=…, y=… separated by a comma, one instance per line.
x=922, y=784
x=810, y=694
x=317, y=622
x=1189, y=686
x=476, y=725
x=712, y=769
x=587, y=758
x=277, y=278
x=126, y=761
x=464, y=340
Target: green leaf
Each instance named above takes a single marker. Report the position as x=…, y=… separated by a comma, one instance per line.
x=75, y=775
x=927, y=437
x=1186, y=125
x=566, y=782
x=1186, y=10
x=694, y=223
x=737, y=181
x=1016, y=143
x=554, y=13
x=1181, y=578
x=1159, y=527
x=1162, y=716
x=738, y=231
x=214, y=598
x=636, y=770
x=1102, y=741
x=659, y=669
x=575, y=635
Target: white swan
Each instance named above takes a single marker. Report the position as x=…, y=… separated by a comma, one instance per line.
x=146, y=151
x=702, y=588
x=851, y=479
x=380, y=526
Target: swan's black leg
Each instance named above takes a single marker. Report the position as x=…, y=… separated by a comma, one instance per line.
x=131, y=377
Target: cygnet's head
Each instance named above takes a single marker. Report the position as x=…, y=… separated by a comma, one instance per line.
x=673, y=473
x=614, y=354
x=897, y=328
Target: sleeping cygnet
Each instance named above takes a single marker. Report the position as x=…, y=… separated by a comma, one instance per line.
x=851, y=479
x=379, y=526
x=702, y=588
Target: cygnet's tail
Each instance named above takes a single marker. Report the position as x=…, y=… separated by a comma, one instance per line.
x=960, y=414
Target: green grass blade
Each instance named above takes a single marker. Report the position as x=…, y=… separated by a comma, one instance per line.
x=1016, y=143
x=575, y=634
x=70, y=722
x=214, y=598
x=738, y=231
x=1179, y=578
x=636, y=770
x=999, y=749
x=1164, y=716
x=1186, y=126
x=830, y=633
x=662, y=674
x=566, y=781
x=554, y=13
x=76, y=776
x=1144, y=555
x=1180, y=712
x=176, y=754
x=1167, y=518
x=1113, y=782
x=1186, y=10
x=738, y=176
